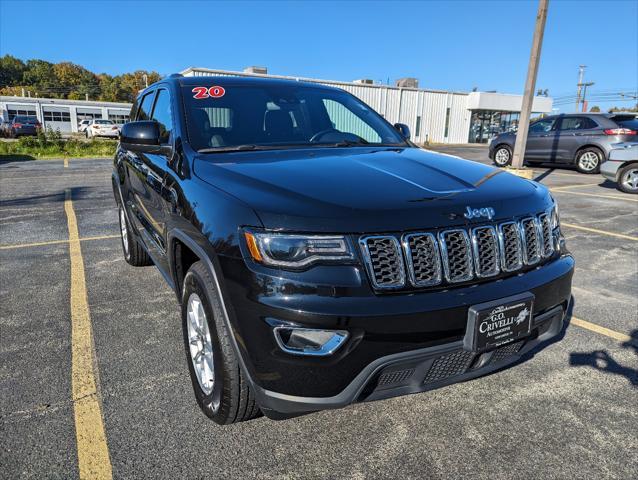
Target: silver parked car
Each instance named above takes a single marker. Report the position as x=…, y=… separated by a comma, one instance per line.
x=581, y=139
x=622, y=167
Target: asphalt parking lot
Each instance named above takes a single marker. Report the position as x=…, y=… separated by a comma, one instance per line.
x=569, y=411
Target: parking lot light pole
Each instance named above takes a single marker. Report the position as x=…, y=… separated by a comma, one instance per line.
x=530, y=84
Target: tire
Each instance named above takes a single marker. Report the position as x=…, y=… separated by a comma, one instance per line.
x=134, y=253
x=502, y=156
x=223, y=394
x=628, y=179
x=588, y=160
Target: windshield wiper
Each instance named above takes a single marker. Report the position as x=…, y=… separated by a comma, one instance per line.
x=234, y=148
x=349, y=143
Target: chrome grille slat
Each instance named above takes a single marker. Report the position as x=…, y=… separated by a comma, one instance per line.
x=383, y=261
x=511, y=247
x=485, y=251
x=546, y=233
x=423, y=259
x=456, y=255
x=530, y=233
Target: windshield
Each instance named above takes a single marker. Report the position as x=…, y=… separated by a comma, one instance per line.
x=280, y=116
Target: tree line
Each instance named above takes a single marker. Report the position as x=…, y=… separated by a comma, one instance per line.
x=39, y=78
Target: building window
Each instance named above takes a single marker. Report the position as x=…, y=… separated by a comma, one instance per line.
x=417, y=129
x=119, y=119
x=88, y=116
x=56, y=116
x=447, y=122
x=19, y=111
x=486, y=124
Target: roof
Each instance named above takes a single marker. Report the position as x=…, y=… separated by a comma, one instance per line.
x=231, y=80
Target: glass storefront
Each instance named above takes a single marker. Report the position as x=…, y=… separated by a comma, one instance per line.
x=486, y=124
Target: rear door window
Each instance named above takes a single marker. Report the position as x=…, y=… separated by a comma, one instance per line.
x=577, y=123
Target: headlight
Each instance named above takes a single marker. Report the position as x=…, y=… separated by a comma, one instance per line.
x=296, y=251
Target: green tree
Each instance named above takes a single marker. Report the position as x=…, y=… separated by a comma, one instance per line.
x=132, y=83
x=595, y=109
x=76, y=81
x=41, y=79
x=624, y=109
x=111, y=89
x=11, y=71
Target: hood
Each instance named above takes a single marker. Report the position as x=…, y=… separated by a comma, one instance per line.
x=367, y=189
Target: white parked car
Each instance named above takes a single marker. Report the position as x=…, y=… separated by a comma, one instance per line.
x=83, y=124
x=102, y=128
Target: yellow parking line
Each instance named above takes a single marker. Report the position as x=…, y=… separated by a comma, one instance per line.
x=93, y=452
x=53, y=242
x=621, y=337
x=615, y=197
x=601, y=232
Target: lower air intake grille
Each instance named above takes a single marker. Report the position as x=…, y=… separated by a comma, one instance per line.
x=449, y=365
x=390, y=378
x=506, y=351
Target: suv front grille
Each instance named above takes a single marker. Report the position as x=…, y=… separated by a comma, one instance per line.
x=383, y=255
x=457, y=255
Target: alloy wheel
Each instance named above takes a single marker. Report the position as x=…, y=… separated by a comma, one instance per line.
x=630, y=179
x=502, y=156
x=200, y=344
x=588, y=161
x=124, y=232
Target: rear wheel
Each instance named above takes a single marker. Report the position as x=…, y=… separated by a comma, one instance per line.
x=503, y=156
x=134, y=253
x=221, y=388
x=588, y=160
x=628, y=179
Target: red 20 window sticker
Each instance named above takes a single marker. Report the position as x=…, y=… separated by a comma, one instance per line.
x=206, y=92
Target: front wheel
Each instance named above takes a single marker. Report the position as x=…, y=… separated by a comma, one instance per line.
x=134, y=253
x=588, y=160
x=503, y=156
x=221, y=388
x=628, y=179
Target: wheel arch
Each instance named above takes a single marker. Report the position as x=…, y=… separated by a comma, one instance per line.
x=590, y=145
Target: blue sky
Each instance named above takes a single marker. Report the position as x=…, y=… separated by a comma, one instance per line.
x=454, y=45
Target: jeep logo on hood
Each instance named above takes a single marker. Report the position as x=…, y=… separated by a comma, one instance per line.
x=487, y=212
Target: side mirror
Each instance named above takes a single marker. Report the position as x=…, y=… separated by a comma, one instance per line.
x=142, y=136
x=403, y=129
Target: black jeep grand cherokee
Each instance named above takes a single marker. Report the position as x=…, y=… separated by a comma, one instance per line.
x=319, y=257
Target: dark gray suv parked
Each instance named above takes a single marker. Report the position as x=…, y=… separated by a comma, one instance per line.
x=583, y=139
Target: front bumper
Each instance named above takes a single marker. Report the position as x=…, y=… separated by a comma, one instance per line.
x=390, y=334
x=609, y=170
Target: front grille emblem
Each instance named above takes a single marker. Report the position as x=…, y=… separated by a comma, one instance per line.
x=487, y=212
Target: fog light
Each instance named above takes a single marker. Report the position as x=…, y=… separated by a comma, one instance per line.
x=309, y=341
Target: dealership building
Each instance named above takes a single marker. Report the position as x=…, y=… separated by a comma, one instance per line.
x=60, y=114
x=432, y=115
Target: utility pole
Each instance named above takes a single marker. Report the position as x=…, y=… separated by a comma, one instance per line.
x=584, y=87
x=530, y=84
x=145, y=77
x=581, y=75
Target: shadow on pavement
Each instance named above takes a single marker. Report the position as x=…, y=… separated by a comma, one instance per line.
x=603, y=361
x=16, y=158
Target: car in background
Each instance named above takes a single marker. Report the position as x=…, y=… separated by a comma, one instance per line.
x=580, y=139
x=622, y=167
x=22, y=125
x=102, y=128
x=83, y=124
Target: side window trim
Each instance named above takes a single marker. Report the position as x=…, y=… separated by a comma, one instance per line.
x=141, y=103
x=152, y=112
